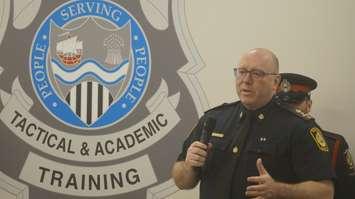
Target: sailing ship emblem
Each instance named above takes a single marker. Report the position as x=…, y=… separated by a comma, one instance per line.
x=70, y=50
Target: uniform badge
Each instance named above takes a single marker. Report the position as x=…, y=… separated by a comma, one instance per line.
x=319, y=139
x=285, y=86
x=349, y=160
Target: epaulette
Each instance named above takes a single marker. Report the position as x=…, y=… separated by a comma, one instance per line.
x=338, y=148
x=329, y=136
x=334, y=136
x=224, y=105
x=294, y=111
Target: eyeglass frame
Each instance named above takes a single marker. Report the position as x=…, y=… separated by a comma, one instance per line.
x=252, y=75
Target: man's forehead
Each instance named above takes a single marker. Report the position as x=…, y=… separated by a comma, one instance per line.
x=256, y=59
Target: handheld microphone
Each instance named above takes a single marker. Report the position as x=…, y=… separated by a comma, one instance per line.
x=208, y=126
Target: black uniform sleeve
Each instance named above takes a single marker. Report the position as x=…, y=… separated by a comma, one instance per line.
x=311, y=158
x=345, y=171
x=345, y=165
x=195, y=135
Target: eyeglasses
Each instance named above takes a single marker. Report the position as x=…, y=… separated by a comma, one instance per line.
x=255, y=73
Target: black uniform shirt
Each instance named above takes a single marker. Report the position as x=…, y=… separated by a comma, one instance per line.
x=292, y=149
x=343, y=166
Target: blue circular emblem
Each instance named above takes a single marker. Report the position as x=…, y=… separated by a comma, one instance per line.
x=90, y=63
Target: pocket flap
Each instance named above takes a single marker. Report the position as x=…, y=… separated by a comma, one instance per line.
x=219, y=143
x=267, y=149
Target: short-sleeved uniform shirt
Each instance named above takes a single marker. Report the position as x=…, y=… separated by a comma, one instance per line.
x=343, y=166
x=292, y=149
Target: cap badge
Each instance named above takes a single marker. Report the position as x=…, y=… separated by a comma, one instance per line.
x=285, y=86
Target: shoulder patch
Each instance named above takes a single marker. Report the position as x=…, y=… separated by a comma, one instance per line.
x=349, y=160
x=319, y=139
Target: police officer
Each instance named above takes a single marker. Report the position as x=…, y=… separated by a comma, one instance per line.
x=258, y=148
x=295, y=91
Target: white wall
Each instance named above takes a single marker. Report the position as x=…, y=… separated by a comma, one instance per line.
x=312, y=37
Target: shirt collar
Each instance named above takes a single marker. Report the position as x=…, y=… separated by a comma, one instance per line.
x=260, y=114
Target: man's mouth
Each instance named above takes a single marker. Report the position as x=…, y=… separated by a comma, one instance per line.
x=246, y=91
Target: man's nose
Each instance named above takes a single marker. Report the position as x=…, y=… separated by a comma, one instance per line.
x=247, y=78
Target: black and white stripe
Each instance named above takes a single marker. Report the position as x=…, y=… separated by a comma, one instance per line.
x=89, y=100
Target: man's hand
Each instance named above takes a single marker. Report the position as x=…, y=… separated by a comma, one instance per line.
x=184, y=173
x=197, y=154
x=264, y=186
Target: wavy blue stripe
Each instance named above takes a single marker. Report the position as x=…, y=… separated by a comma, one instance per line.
x=61, y=80
x=114, y=69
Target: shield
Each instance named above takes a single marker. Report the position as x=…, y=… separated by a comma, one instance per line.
x=89, y=74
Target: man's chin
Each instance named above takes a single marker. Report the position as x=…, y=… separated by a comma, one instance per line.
x=247, y=102
x=247, y=99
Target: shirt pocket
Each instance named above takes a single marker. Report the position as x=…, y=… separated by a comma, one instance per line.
x=217, y=156
x=274, y=157
x=267, y=152
x=263, y=150
x=219, y=144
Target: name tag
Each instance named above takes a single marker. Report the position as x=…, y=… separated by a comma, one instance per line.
x=219, y=135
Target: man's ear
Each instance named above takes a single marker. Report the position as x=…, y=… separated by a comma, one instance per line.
x=277, y=80
x=310, y=104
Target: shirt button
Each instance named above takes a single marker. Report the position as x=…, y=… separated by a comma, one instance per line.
x=235, y=149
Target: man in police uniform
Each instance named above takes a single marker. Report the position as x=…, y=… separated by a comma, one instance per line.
x=295, y=91
x=258, y=148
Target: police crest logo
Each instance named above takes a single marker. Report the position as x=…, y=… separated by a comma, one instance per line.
x=319, y=139
x=91, y=100
x=90, y=82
